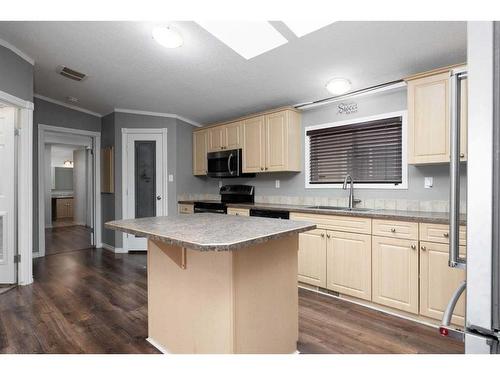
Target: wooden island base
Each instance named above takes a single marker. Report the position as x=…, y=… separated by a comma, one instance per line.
x=240, y=301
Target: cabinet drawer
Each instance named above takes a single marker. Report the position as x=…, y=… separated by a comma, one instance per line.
x=186, y=208
x=395, y=229
x=238, y=211
x=339, y=223
x=440, y=233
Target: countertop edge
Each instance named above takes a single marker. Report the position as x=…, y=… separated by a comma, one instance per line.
x=374, y=214
x=212, y=247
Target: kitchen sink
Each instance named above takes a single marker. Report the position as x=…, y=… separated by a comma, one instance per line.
x=338, y=208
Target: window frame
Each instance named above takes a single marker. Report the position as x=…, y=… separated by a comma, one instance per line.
x=404, y=154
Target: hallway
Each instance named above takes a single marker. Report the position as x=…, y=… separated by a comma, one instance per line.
x=61, y=239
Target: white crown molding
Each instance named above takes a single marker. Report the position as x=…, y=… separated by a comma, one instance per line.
x=158, y=114
x=17, y=51
x=7, y=98
x=70, y=106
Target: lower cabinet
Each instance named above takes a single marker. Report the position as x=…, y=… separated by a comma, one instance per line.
x=395, y=273
x=348, y=263
x=184, y=208
x=438, y=282
x=312, y=258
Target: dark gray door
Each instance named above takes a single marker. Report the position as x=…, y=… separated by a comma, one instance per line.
x=145, y=179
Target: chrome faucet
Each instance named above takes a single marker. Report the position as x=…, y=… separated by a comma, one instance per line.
x=352, y=201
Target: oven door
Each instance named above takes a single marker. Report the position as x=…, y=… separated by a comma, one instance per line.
x=224, y=163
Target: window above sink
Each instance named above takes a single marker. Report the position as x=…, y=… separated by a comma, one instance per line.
x=370, y=149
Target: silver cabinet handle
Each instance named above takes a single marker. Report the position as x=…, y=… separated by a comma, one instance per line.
x=327, y=236
x=453, y=259
x=393, y=230
x=423, y=248
x=229, y=164
x=445, y=235
x=413, y=247
x=322, y=235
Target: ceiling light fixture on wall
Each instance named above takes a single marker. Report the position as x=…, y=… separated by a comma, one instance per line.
x=167, y=37
x=68, y=164
x=338, y=86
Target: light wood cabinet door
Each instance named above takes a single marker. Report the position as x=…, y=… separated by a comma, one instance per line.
x=233, y=136
x=438, y=282
x=216, y=138
x=64, y=208
x=184, y=208
x=312, y=258
x=348, y=265
x=254, y=145
x=200, y=153
x=395, y=273
x=428, y=119
x=276, y=142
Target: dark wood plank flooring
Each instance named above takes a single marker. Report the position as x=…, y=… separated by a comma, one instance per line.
x=94, y=301
x=66, y=238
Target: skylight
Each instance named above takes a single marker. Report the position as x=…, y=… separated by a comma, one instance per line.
x=247, y=38
x=303, y=27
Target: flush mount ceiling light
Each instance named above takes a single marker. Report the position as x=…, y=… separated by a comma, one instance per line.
x=338, y=86
x=167, y=37
x=247, y=38
x=303, y=27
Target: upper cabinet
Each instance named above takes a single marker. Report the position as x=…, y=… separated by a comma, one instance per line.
x=429, y=118
x=270, y=142
x=200, y=152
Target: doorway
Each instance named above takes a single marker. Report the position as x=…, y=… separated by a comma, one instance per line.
x=68, y=197
x=144, y=172
x=68, y=181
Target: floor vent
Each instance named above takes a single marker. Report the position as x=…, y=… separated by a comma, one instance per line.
x=70, y=73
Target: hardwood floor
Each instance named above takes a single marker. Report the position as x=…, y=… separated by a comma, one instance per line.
x=66, y=238
x=94, y=301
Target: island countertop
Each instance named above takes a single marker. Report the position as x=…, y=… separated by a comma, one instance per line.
x=210, y=232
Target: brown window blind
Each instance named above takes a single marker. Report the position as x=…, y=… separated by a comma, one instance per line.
x=371, y=152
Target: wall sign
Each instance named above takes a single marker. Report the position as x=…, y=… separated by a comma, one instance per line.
x=347, y=108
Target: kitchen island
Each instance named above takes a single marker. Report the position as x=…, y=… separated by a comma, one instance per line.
x=220, y=283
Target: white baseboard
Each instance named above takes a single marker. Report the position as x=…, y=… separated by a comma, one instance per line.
x=118, y=250
x=157, y=346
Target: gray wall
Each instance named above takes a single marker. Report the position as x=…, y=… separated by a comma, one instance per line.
x=16, y=75
x=47, y=113
x=108, y=199
x=293, y=184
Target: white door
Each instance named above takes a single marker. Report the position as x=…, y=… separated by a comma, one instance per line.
x=7, y=198
x=144, y=178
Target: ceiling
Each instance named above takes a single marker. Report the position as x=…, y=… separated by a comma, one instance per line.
x=206, y=81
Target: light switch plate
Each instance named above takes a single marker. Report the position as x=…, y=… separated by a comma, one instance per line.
x=277, y=184
x=170, y=178
x=428, y=182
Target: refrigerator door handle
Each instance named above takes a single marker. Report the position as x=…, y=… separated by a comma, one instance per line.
x=454, y=214
x=445, y=329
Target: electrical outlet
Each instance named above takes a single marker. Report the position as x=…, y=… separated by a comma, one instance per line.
x=277, y=184
x=220, y=184
x=170, y=178
x=428, y=182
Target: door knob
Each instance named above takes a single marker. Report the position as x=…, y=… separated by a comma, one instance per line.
x=158, y=197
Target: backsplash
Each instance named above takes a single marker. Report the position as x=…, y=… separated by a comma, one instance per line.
x=386, y=204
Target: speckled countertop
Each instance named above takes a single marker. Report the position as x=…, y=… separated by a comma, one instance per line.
x=414, y=216
x=210, y=232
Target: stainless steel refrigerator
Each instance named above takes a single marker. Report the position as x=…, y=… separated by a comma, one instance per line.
x=482, y=263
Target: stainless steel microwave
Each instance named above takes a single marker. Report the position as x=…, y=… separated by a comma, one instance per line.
x=225, y=163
